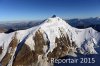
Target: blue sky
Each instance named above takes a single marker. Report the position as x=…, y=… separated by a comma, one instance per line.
x=40, y=9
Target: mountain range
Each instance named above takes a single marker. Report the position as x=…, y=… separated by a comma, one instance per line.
x=52, y=38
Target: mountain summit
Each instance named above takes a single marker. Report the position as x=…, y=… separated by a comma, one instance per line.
x=54, y=38
x=54, y=20
x=53, y=16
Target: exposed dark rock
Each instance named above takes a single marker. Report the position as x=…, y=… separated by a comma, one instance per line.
x=25, y=57
x=9, y=53
x=53, y=16
x=63, y=47
x=10, y=30
x=0, y=49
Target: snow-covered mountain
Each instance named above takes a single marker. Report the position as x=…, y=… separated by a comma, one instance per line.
x=54, y=38
x=85, y=23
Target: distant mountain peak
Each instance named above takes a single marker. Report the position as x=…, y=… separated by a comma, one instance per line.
x=54, y=16
x=98, y=18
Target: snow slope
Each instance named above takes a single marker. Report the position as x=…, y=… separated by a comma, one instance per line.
x=5, y=40
x=87, y=37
